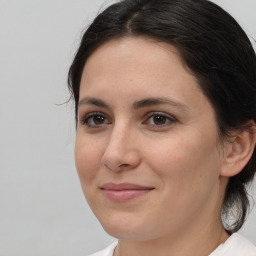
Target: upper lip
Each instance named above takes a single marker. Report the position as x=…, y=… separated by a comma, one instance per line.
x=124, y=186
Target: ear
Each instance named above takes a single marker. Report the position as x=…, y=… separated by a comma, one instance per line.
x=238, y=152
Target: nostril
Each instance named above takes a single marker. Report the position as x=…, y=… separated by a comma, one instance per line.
x=112, y=166
x=124, y=165
x=120, y=155
x=118, y=165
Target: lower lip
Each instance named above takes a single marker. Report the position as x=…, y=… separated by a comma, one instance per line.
x=124, y=195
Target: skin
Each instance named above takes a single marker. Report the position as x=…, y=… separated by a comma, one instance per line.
x=181, y=156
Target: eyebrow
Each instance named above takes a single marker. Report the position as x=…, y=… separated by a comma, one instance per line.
x=159, y=101
x=147, y=102
x=93, y=101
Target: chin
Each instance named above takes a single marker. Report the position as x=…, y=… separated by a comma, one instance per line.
x=124, y=229
x=129, y=230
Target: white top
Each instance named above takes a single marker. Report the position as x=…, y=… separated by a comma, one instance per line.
x=235, y=245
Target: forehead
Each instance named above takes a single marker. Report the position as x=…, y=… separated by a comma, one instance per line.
x=135, y=60
x=126, y=71
x=133, y=49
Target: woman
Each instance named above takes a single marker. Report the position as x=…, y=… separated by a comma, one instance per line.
x=165, y=101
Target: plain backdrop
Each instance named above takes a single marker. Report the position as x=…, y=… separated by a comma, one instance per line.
x=42, y=208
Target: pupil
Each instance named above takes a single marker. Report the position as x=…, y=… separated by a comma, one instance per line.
x=159, y=119
x=98, y=119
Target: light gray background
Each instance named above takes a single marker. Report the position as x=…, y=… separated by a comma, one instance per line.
x=42, y=209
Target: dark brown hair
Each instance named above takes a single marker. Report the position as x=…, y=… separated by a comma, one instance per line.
x=215, y=49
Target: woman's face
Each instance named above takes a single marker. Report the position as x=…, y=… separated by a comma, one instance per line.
x=147, y=148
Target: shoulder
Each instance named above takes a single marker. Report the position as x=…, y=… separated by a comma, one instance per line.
x=239, y=245
x=236, y=245
x=107, y=251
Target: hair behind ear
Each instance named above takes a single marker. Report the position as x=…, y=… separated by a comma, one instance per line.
x=241, y=168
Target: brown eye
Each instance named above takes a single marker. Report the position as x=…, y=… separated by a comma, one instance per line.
x=98, y=119
x=159, y=120
x=95, y=120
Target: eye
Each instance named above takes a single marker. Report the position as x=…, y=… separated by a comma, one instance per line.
x=95, y=120
x=159, y=119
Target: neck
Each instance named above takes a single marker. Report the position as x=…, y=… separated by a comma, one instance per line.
x=178, y=245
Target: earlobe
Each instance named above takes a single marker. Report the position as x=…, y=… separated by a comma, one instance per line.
x=239, y=152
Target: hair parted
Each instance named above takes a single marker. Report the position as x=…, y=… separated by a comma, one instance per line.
x=214, y=48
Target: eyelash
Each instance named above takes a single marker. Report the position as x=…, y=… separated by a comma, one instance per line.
x=86, y=120
x=168, y=118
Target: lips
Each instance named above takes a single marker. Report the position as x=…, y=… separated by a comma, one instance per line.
x=124, y=191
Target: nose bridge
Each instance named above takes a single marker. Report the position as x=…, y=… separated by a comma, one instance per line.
x=120, y=136
x=121, y=151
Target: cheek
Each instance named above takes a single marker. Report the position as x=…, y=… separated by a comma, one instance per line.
x=188, y=177
x=185, y=164
x=87, y=159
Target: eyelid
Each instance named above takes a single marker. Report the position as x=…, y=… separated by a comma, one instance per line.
x=171, y=118
x=152, y=113
x=86, y=117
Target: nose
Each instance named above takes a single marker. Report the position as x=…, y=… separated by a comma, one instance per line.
x=121, y=152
